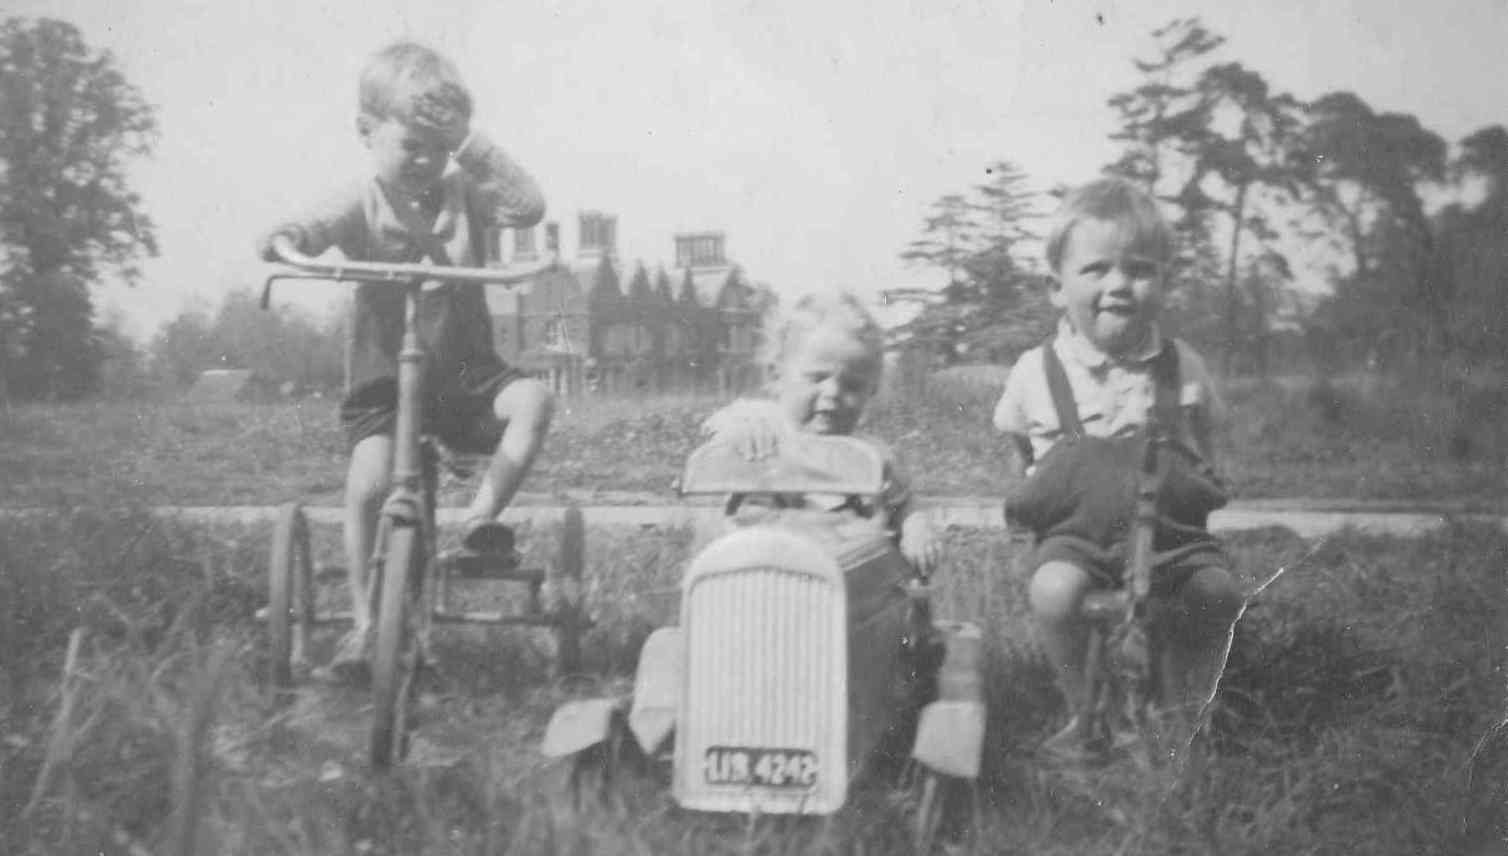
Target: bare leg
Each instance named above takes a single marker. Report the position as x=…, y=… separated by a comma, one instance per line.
x=526, y=406
x=366, y=488
x=1056, y=591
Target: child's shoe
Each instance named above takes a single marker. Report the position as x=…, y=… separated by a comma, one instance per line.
x=1067, y=747
x=489, y=536
x=352, y=664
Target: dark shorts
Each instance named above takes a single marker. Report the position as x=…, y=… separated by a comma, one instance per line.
x=1107, y=565
x=459, y=413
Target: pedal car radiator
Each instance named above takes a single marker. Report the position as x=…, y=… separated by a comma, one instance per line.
x=762, y=725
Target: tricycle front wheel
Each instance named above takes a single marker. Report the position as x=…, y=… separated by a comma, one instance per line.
x=290, y=597
x=393, y=660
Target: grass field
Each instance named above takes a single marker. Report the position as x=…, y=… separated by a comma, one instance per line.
x=1340, y=442
x=1352, y=701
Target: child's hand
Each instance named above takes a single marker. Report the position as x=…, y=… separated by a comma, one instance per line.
x=755, y=428
x=268, y=252
x=443, y=112
x=919, y=544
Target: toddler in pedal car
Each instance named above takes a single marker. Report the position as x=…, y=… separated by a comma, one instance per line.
x=825, y=355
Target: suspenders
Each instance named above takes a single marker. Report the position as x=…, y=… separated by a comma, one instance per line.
x=1162, y=420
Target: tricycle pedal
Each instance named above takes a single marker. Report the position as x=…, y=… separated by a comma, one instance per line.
x=470, y=564
x=1104, y=606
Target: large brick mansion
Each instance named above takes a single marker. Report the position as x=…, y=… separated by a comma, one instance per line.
x=587, y=323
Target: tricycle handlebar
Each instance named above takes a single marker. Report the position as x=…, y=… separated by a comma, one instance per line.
x=309, y=267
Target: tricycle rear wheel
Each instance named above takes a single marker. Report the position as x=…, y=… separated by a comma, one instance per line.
x=568, y=609
x=944, y=804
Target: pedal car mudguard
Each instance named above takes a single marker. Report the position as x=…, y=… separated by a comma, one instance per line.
x=579, y=725
x=950, y=730
x=583, y=723
x=657, y=689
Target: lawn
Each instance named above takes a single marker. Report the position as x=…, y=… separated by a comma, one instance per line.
x=1340, y=442
x=1351, y=704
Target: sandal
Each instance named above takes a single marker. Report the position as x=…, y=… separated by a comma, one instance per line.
x=1067, y=748
x=351, y=666
x=492, y=537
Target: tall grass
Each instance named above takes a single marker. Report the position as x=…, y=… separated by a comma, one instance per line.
x=1353, y=699
x=1347, y=438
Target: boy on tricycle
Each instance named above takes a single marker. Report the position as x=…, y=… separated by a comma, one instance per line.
x=415, y=119
x=1087, y=411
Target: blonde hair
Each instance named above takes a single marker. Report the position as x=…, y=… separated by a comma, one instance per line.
x=399, y=75
x=786, y=329
x=1118, y=201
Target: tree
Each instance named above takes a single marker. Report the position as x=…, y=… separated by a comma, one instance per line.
x=1259, y=154
x=122, y=372
x=1218, y=145
x=1471, y=252
x=183, y=348
x=948, y=236
x=1160, y=122
x=283, y=345
x=1153, y=113
x=70, y=123
x=992, y=304
x=1367, y=183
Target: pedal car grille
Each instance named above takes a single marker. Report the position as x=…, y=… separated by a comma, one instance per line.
x=762, y=726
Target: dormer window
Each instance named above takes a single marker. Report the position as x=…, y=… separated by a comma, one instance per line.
x=598, y=233
x=555, y=335
x=492, y=248
x=701, y=249
x=523, y=244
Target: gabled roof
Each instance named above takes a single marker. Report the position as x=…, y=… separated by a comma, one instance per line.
x=708, y=283
x=663, y=287
x=640, y=289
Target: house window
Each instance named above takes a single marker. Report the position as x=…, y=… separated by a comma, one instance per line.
x=555, y=334
x=598, y=232
x=699, y=250
x=492, y=250
x=523, y=243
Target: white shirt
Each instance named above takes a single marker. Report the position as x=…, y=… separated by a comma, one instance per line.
x=1114, y=395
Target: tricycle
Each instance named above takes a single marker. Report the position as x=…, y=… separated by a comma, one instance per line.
x=410, y=573
x=804, y=641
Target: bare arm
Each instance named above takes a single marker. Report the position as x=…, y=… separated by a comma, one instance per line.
x=1019, y=457
x=1201, y=432
x=914, y=530
x=320, y=228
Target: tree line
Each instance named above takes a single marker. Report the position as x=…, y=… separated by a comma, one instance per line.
x=1411, y=228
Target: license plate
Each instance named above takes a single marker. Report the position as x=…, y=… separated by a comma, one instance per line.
x=770, y=768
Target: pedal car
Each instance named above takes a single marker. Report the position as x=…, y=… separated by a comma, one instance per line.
x=804, y=640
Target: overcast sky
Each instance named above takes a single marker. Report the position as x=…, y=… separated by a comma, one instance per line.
x=814, y=132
